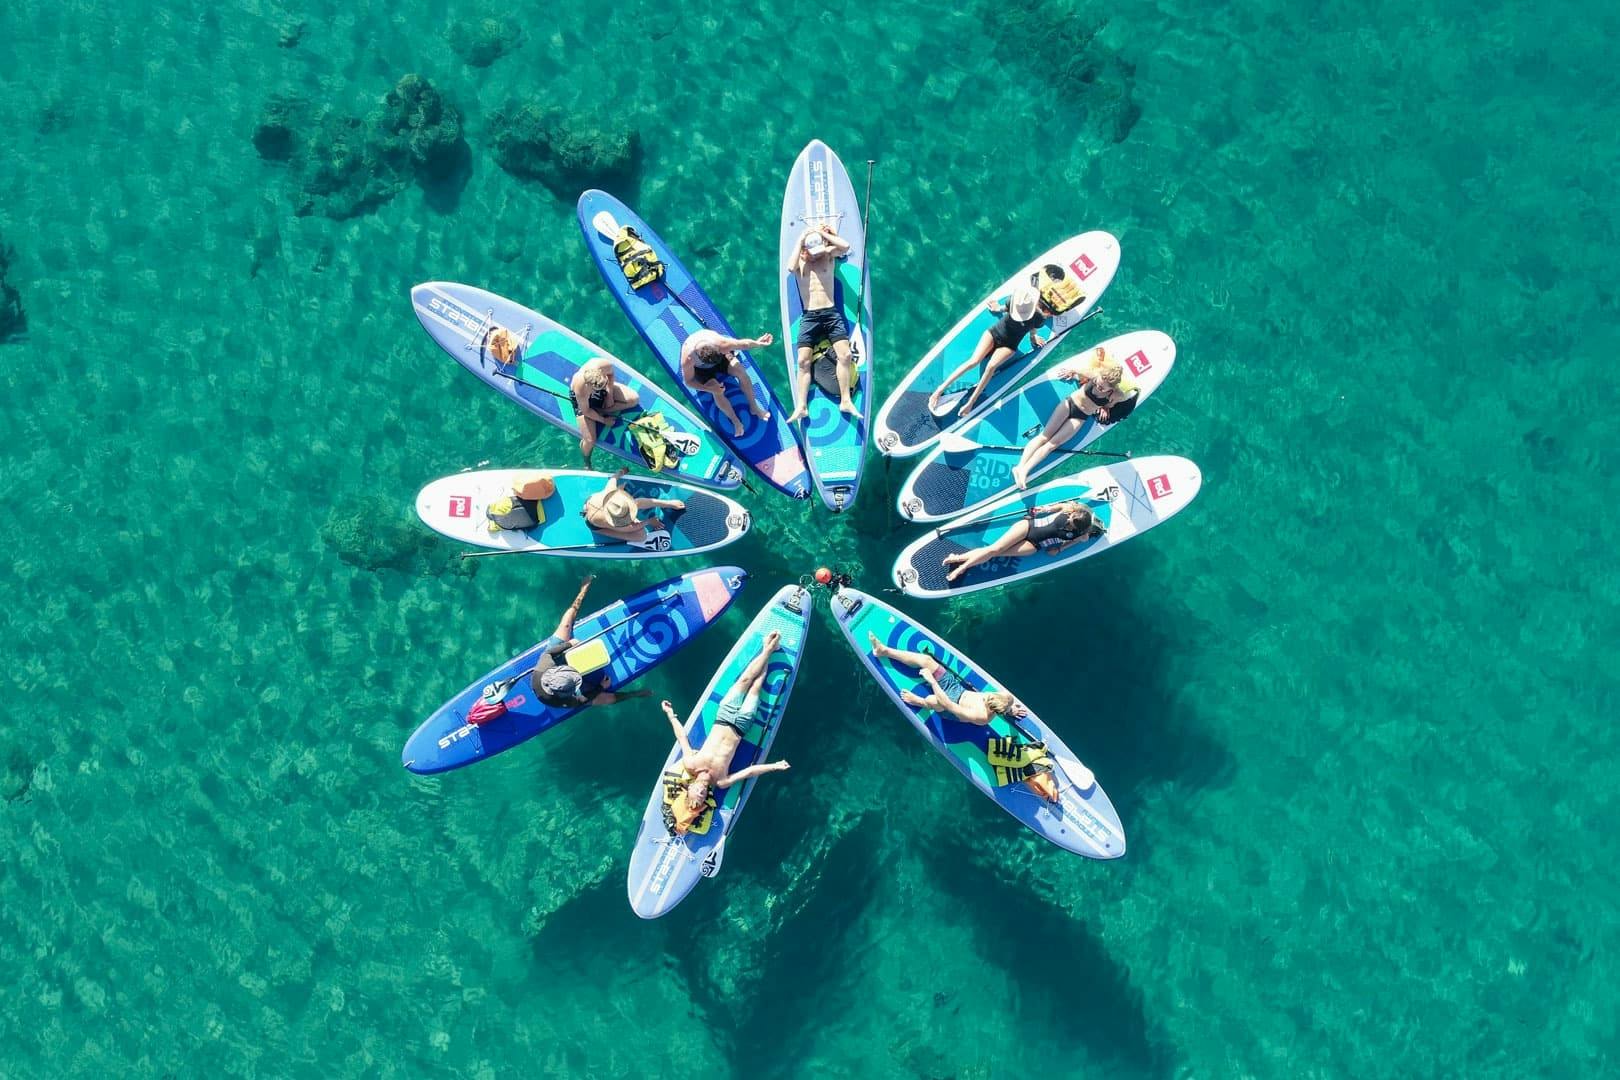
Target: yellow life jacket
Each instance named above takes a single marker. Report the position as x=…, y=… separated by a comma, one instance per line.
x=675, y=784
x=1015, y=760
x=1059, y=289
x=639, y=263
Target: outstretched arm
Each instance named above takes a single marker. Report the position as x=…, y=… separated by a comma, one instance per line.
x=680, y=731
x=752, y=771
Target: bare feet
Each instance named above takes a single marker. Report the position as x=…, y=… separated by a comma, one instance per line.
x=772, y=640
x=760, y=411
x=966, y=408
x=1020, y=477
x=912, y=699
x=796, y=415
x=847, y=407
x=737, y=428
x=879, y=650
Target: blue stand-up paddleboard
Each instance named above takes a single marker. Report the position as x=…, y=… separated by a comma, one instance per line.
x=639, y=633
x=1082, y=821
x=664, y=867
x=670, y=309
x=1082, y=265
x=819, y=193
x=1127, y=499
x=968, y=467
x=462, y=318
x=458, y=507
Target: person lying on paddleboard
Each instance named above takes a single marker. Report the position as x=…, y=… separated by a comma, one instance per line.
x=706, y=356
x=1052, y=528
x=616, y=512
x=1101, y=387
x=709, y=767
x=598, y=399
x=561, y=686
x=1023, y=314
x=813, y=266
x=949, y=695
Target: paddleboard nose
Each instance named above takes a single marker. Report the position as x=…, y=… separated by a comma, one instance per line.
x=428, y=751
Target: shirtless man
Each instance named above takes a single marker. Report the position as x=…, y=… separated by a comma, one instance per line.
x=710, y=766
x=707, y=355
x=813, y=266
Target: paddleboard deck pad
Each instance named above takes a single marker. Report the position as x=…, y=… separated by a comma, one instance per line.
x=1127, y=498
x=457, y=507
x=640, y=632
x=1082, y=821
x=819, y=192
x=668, y=311
x=461, y=318
x=665, y=867
x=906, y=426
x=945, y=484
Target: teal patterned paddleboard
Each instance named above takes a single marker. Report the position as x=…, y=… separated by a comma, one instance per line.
x=952, y=481
x=1128, y=498
x=456, y=506
x=665, y=867
x=1082, y=821
x=819, y=192
x=460, y=318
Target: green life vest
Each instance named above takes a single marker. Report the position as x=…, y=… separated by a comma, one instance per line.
x=647, y=432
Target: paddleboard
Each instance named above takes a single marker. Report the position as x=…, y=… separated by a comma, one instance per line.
x=905, y=426
x=666, y=313
x=947, y=483
x=460, y=319
x=1127, y=497
x=455, y=506
x=1082, y=821
x=819, y=192
x=665, y=867
x=640, y=632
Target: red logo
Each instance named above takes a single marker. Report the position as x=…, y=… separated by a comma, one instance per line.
x=1083, y=267
x=460, y=506
x=1138, y=362
x=1159, y=486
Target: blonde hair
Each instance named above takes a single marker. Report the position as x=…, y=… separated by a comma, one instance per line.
x=598, y=374
x=1108, y=372
x=999, y=703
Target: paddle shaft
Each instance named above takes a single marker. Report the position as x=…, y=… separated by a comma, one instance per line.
x=866, y=257
x=569, y=398
x=1009, y=446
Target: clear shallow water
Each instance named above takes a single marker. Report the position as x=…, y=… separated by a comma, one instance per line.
x=1354, y=706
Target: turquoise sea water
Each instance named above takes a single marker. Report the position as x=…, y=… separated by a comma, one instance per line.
x=1354, y=706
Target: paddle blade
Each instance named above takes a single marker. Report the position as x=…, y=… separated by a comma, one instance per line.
x=953, y=443
x=711, y=861
x=603, y=223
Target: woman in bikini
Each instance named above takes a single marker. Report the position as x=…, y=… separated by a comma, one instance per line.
x=709, y=767
x=1022, y=314
x=949, y=695
x=1100, y=387
x=598, y=400
x=1052, y=528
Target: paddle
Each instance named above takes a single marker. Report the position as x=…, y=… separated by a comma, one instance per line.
x=866, y=262
x=711, y=862
x=956, y=445
x=683, y=441
x=606, y=227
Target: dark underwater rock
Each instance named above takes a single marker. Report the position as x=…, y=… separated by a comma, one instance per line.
x=341, y=165
x=417, y=129
x=566, y=153
x=481, y=42
x=374, y=533
x=1077, y=74
x=13, y=320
